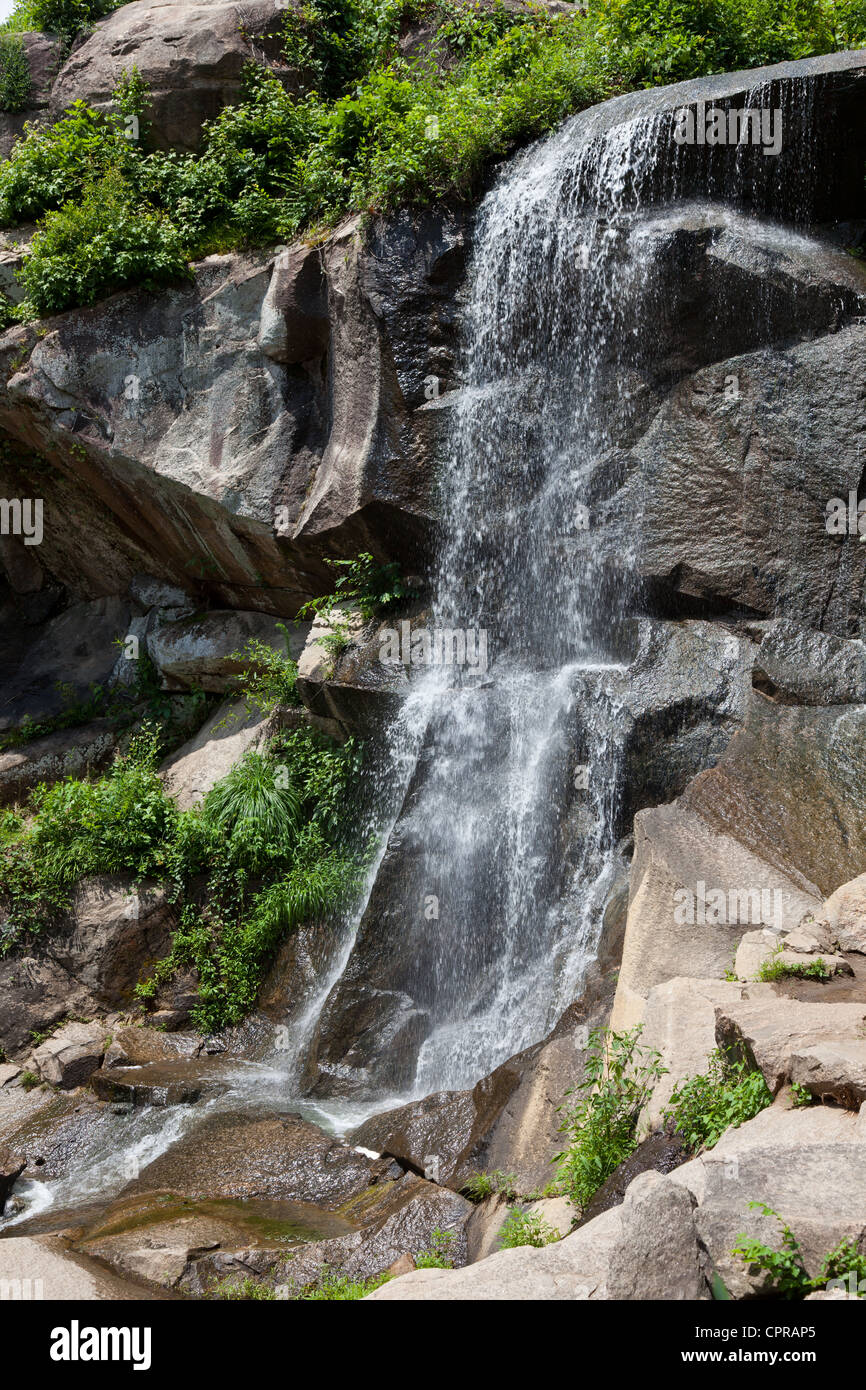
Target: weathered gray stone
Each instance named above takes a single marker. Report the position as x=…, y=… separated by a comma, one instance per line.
x=191, y=56
x=198, y=651
x=69, y=1058
x=656, y=1255
x=833, y=1071
x=65, y=753
x=770, y=1032
x=89, y=963
x=572, y=1269
x=843, y=915
x=221, y=742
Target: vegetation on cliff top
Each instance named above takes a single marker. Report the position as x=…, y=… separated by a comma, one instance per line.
x=370, y=129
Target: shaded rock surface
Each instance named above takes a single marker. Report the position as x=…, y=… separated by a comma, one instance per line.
x=89, y=964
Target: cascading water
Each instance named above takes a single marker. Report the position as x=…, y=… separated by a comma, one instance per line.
x=509, y=831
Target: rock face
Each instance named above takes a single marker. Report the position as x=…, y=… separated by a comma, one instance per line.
x=89, y=965
x=202, y=460
x=190, y=56
x=71, y=1056
x=508, y=1122
x=44, y=55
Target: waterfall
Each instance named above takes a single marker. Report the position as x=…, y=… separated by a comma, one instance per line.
x=506, y=848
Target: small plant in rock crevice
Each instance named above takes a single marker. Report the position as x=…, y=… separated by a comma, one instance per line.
x=525, y=1228
x=440, y=1252
x=776, y=969
x=785, y=1267
x=724, y=1097
x=602, y=1119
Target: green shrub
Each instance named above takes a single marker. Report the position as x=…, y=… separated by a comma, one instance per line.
x=118, y=825
x=374, y=588
x=99, y=243
x=268, y=683
x=440, y=1254
x=14, y=73
x=333, y=1287
x=68, y=18
x=48, y=167
x=786, y=1268
x=525, y=1228
x=724, y=1097
x=776, y=969
x=602, y=1120
x=481, y=1185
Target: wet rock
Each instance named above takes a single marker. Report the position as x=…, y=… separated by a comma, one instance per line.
x=797, y=665
x=179, y=1081
x=276, y=1156
x=136, y=1047
x=70, y=1057
x=89, y=963
x=508, y=1122
x=60, y=1131
x=11, y=1167
x=770, y=1032
x=190, y=55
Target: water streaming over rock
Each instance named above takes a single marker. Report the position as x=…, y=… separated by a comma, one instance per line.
x=505, y=852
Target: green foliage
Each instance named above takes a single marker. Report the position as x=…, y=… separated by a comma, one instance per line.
x=374, y=588
x=786, y=1267
x=801, y=1095
x=99, y=243
x=440, y=1254
x=29, y=1080
x=602, y=1119
x=481, y=1185
x=340, y=1288
x=242, y=1290
x=265, y=852
x=370, y=130
x=118, y=825
x=14, y=73
x=68, y=18
x=268, y=683
x=777, y=969
x=724, y=1097
x=525, y=1228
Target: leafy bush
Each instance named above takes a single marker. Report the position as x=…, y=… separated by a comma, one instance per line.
x=602, y=1120
x=270, y=843
x=373, y=587
x=68, y=18
x=525, y=1228
x=99, y=243
x=786, y=1267
x=268, y=683
x=481, y=1185
x=724, y=1097
x=440, y=1254
x=371, y=130
x=120, y=824
x=776, y=969
x=14, y=73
